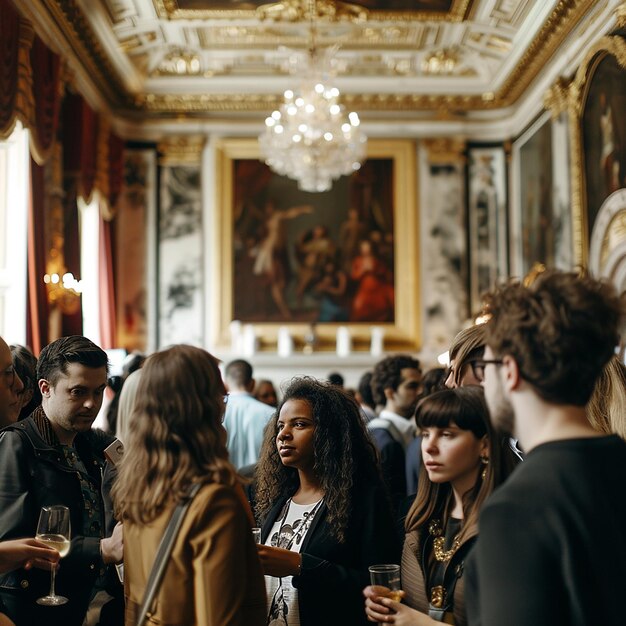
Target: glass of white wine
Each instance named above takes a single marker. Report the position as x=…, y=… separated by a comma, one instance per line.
x=54, y=530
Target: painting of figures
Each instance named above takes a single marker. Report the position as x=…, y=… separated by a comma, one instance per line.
x=604, y=134
x=313, y=257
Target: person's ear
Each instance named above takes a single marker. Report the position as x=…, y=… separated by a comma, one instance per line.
x=45, y=387
x=250, y=386
x=484, y=446
x=389, y=393
x=511, y=373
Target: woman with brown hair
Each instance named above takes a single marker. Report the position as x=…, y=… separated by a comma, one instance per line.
x=462, y=463
x=176, y=439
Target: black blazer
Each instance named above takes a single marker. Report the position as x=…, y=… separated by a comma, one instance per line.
x=334, y=574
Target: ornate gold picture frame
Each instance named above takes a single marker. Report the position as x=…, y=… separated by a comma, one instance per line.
x=589, y=96
x=234, y=156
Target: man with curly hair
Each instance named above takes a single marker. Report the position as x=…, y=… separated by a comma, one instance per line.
x=552, y=545
x=396, y=386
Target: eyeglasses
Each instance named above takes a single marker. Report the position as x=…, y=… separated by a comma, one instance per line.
x=478, y=366
x=9, y=375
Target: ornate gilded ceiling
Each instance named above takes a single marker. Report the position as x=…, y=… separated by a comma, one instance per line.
x=167, y=58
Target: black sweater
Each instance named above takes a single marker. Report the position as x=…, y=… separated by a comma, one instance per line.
x=552, y=544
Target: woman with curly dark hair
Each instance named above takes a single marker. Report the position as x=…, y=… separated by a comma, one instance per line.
x=325, y=514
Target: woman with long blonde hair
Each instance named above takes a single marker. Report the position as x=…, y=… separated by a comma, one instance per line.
x=176, y=439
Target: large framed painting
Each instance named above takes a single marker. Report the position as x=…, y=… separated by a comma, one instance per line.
x=541, y=218
x=346, y=257
x=597, y=101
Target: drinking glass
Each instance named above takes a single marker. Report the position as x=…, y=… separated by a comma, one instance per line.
x=387, y=575
x=256, y=534
x=54, y=530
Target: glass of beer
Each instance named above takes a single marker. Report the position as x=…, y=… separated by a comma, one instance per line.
x=387, y=575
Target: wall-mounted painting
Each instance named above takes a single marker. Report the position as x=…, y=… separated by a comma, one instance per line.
x=293, y=258
x=487, y=220
x=541, y=217
x=597, y=101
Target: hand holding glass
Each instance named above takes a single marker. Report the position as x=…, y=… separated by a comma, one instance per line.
x=54, y=530
x=387, y=576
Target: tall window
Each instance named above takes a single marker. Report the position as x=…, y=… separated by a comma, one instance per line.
x=14, y=199
x=90, y=267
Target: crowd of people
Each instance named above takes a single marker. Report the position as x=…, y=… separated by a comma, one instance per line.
x=495, y=485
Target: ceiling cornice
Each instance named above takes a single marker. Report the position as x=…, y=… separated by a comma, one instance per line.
x=88, y=51
x=73, y=25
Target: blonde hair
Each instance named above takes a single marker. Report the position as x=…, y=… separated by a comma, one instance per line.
x=176, y=435
x=126, y=405
x=606, y=409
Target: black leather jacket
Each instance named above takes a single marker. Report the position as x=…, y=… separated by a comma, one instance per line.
x=33, y=474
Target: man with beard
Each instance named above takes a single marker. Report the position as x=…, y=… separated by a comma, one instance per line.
x=552, y=545
x=53, y=458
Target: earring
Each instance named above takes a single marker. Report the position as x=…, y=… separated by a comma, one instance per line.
x=485, y=461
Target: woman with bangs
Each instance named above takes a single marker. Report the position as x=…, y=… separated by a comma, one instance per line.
x=325, y=514
x=463, y=461
x=175, y=440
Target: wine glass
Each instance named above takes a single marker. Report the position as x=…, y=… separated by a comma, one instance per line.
x=53, y=529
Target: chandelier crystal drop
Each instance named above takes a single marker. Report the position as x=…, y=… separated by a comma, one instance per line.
x=310, y=138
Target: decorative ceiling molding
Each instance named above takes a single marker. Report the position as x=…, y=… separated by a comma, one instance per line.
x=445, y=63
x=87, y=48
x=297, y=9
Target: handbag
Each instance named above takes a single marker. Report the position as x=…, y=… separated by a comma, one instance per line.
x=163, y=553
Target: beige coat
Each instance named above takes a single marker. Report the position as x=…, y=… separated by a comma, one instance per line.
x=413, y=579
x=214, y=576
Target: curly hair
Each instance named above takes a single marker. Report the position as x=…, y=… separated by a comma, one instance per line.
x=344, y=455
x=466, y=407
x=561, y=330
x=175, y=435
x=388, y=374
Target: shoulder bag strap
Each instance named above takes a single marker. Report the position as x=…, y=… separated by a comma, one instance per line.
x=163, y=553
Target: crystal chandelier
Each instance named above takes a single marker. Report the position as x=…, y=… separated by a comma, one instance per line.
x=310, y=138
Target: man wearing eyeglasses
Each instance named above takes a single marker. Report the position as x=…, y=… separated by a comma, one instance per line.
x=10, y=387
x=552, y=545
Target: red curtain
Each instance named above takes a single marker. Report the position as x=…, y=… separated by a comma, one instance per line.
x=80, y=139
x=9, y=49
x=116, y=169
x=108, y=331
x=38, y=309
x=46, y=67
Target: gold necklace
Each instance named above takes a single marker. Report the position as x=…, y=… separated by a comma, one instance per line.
x=436, y=531
x=445, y=555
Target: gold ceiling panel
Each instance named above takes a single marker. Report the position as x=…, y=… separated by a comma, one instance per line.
x=237, y=49
x=444, y=10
